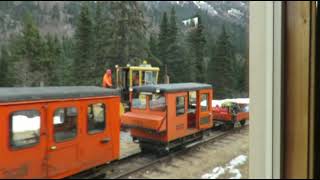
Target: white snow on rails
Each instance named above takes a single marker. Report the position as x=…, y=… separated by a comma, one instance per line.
x=230, y=168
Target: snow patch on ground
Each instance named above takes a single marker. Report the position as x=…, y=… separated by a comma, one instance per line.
x=125, y=136
x=229, y=168
x=240, y=160
x=216, y=172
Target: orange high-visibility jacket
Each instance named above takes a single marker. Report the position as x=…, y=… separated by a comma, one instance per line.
x=107, y=81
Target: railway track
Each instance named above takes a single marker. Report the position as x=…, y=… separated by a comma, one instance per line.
x=127, y=166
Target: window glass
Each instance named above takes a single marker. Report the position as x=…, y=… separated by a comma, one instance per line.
x=65, y=124
x=139, y=101
x=25, y=128
x=124, y=79
x=96, y=118
x=204, y=102
x=149, y=77
x=135, y=78
x=155, y=77
x=157, y=102
x=192, y=103
x=180, y=105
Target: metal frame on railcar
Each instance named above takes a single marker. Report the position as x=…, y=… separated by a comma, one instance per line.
x=55, y=132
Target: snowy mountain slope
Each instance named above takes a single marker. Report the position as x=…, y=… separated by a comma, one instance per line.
x=59, y=17
x=213, y=8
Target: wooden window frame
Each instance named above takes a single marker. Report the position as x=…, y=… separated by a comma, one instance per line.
x=282, y=89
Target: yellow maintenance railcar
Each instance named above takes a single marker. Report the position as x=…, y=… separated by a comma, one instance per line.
x=130, y=76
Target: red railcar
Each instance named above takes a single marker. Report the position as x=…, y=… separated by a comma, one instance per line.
x=56, y=132
x=230, y=112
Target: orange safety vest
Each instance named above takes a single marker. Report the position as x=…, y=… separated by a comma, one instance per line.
x=107, y=81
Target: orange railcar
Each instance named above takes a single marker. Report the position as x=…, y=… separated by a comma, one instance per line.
x=167, y=115
x=56, y=132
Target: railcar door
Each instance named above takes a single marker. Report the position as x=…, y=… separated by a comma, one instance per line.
x=97, y=141
x=63, y=150
x=178, y=115
x=23, y=142
x=204, y=108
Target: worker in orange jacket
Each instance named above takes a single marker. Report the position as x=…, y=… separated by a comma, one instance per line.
x=107, y=79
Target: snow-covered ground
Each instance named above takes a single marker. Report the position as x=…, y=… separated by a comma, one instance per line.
x=230, y=168
x=127, y=146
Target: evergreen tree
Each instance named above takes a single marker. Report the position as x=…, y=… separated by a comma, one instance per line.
x=102, y=33
x=153, y=51
x=129, y=44
x=173, y=27
x=65, y=63
x=174, y=59
x=83, y=66
x=32, y=42
x=197, y=44
x=221, y=67
x=4, y=68
x=27, y=49
x=53, y=55
x=153, y=45
x=240, y=77
x=163, y=38
x=163, y=43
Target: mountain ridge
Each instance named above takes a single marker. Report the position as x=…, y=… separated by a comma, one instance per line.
x=60, y=17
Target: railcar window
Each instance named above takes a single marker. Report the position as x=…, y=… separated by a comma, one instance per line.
x=180, y=105
x=149, y=77
x=65, y=124
x=135, y=78
x=96, y=118
x=157, y=102
x=204, y=102
x=192, y=101
x=25, y=129
x=139, y=101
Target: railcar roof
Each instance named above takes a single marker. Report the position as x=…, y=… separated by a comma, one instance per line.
x=50, y=93
x=173, y=87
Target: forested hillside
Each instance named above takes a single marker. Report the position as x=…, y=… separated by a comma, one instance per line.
x=72, y=43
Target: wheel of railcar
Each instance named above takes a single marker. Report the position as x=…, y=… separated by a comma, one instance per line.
x=144, y=149
x=243, y=122
x=163, y=153
x=227, y=126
